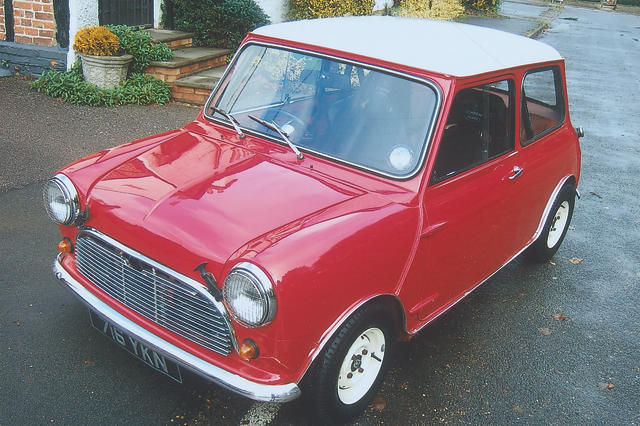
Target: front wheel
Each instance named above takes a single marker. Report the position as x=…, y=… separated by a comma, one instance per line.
x=350, y=371
x=556, y=226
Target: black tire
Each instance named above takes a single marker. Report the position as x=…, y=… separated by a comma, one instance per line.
x=550, y=239
x=332, y=405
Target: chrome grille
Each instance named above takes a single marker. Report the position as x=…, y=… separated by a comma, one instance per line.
x=153, y=293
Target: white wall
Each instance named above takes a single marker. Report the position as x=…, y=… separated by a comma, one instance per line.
x=380, y=4
x=157, y=13
x=82, y=13
x=276, y=9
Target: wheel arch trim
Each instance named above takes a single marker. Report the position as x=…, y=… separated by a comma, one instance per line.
x=393, y=305
x=547, y=210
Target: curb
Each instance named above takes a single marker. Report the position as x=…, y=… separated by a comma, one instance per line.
x=537, y=31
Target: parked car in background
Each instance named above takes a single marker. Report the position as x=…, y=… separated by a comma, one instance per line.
x=348, y=181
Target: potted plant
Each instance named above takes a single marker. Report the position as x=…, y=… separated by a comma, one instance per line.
x=99, y=50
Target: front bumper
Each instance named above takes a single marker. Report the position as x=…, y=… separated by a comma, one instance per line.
x=230, y=381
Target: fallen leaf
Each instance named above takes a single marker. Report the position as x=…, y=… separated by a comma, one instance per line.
x=17, y=323
x=378, y=403
x=89, y=362
x=544, y=331
x=575, y=260
x=610, y=386
x=559, y=317
x=551, y=262
x=405, y=386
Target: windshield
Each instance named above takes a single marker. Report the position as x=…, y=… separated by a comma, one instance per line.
x=363, y=116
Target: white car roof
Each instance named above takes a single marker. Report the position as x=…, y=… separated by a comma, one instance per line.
x=443, y=47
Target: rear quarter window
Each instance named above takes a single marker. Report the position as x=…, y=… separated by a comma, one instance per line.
x=542, y=104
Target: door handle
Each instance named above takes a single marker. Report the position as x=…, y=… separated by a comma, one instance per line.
x=517, y=171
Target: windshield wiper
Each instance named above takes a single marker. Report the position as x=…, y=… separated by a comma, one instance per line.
x=273, y=126
x=232, y=120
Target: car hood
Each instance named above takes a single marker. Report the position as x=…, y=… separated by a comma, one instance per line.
x=202, y=199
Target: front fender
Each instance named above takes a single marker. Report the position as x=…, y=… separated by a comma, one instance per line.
x=327, y=268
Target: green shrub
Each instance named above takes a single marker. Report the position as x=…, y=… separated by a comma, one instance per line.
x=137, y=42
x=140, y=89
x=308, y=9
x=218, y=23
x=488, y=7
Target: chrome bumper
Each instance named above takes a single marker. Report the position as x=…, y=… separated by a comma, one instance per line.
x=230, y=381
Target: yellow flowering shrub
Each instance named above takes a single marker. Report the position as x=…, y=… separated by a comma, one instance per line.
x=485, y=7
x=432, y=9
x=308, y=9
x=96, y=40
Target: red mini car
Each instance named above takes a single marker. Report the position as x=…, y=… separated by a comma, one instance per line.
x=347, y=182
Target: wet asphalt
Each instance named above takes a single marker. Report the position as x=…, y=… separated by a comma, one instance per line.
x=556, y=343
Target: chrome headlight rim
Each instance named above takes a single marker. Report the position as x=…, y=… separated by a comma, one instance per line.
x=70, y=194
x=264, y=287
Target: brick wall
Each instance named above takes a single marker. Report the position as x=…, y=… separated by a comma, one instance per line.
x=34, y=22
x=3, y=31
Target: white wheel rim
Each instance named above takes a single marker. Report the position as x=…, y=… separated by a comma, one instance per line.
x=558, y=223
x=361, y=365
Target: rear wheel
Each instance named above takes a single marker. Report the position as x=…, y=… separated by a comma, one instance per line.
x=556, y=226
x=350, y=371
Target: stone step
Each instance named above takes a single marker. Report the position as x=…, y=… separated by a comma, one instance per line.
x=174, y=39
x=187, y=61
x=195, y=89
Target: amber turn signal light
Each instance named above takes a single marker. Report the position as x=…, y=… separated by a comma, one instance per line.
x=248, y=350
x=65, y=246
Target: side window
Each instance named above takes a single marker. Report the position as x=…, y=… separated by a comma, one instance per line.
x=479, y=128
x=543, y=105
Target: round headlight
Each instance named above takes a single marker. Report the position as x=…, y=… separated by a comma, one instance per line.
x=60, y=199
x=249, y=294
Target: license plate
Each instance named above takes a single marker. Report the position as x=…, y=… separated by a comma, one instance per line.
x=136, y=348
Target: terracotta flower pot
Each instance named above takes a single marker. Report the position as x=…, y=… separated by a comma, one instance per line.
x=105, y=71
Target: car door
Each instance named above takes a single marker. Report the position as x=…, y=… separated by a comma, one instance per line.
x=547, y=149
x=471, y=227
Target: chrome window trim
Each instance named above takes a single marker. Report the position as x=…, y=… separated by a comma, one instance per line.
x=196, y=286
x=428, y=137
x=218, y=375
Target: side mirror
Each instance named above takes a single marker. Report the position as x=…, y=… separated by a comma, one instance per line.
x=580, y=131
